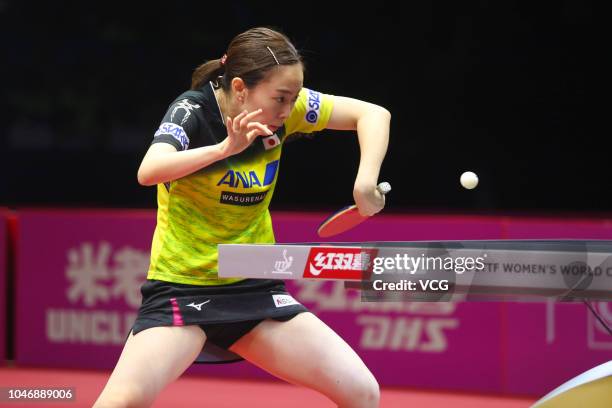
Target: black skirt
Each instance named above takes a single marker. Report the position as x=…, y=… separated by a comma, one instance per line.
x=224, y=312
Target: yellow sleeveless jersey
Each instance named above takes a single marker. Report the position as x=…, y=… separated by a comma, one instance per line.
x=226, y=202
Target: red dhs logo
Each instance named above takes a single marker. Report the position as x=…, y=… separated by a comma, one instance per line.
x=339, y=263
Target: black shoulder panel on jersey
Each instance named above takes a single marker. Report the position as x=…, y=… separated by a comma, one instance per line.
x=192, y=120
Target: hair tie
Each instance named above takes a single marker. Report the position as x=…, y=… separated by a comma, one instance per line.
x=223, y=59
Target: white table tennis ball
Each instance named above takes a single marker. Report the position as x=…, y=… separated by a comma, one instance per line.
x=469, y=180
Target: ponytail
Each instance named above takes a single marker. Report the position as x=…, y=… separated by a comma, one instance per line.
x=206, y=72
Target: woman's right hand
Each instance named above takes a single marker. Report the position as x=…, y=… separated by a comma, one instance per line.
x=242, y=131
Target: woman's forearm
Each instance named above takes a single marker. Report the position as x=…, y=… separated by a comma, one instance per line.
x=163, y=163
x=373, y=135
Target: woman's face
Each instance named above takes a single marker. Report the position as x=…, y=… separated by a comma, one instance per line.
x=276, y=95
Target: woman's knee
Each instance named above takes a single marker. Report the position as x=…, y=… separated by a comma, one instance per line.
x=365, y=393
x=370, y=392
x=357, y=391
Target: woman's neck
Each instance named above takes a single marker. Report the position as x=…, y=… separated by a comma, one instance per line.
x=225, y=106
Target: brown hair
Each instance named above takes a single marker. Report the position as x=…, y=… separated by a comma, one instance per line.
x=249, y=56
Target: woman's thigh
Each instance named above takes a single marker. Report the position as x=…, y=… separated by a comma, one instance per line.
x=305, y=351
x=149, y=361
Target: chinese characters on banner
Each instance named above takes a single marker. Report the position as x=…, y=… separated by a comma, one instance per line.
x=78, y=277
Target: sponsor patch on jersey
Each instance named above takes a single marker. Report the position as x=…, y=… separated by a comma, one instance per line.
x=228, y=197
x=314, y=106
x=184, y=106
x=174, y=130
x=249, y=179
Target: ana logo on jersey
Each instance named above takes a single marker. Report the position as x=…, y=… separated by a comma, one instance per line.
x=246, y=180
x=314, y=105
x=250, y=179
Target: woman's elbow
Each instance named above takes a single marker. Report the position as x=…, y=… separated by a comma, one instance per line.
x=145, y=178
x=384, y=112
x=376, y=112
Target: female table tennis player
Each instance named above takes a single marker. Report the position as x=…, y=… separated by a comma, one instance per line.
x=215, y=160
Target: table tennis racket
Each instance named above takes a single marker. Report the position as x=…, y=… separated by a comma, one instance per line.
x=346, y=218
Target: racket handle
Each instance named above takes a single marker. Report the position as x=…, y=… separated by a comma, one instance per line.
x=383, y=188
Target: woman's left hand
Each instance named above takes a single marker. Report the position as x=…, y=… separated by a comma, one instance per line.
x=367, y=197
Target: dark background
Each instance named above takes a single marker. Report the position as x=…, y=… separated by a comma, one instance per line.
x=506, y=89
